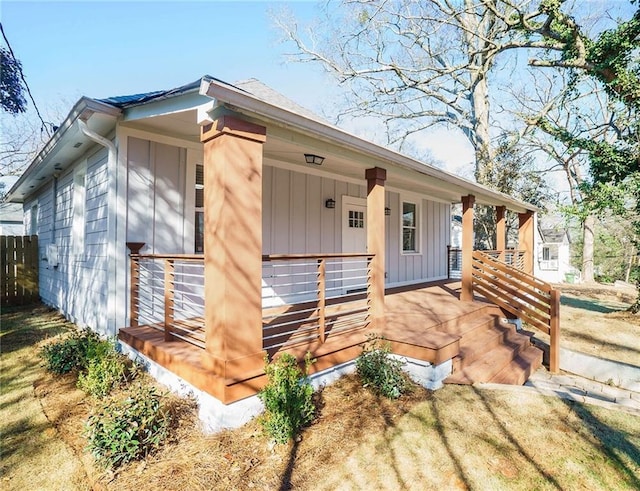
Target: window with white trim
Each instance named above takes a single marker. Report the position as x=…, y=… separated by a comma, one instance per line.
x=79, y=208
x=356, y=219
x=199, y=206
x=549, y=257
x=409, y=227
x=33, y=220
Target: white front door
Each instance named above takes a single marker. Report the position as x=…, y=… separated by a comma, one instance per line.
x=354, y=239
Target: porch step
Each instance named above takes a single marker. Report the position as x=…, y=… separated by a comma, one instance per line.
x=500, y=353
x=518, y=371
x=475, y=347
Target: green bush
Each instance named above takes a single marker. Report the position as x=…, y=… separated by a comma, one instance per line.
x=105, y=372
x=287, y=397
x=379, y=372
x=122, y=430
x=72, y=352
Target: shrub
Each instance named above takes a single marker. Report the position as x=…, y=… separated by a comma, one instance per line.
x=122, y=430
x=72, y=352
x=379, y=371
x=287, y=398
x=105, y=372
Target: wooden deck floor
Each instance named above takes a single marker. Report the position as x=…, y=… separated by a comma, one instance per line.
x=422, y=321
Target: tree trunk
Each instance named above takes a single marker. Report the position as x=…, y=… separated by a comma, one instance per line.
x=587, y=249
x=480, y=102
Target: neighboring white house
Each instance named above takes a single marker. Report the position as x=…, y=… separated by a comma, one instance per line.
x=553, y=261
x=11, y=219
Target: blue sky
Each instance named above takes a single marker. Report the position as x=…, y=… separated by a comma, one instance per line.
x=101, y=49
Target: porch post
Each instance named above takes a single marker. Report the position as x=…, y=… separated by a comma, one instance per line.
x=233, y=245
x=376, y=241
x=467, y=248
x=526, y=239
x=501, y=232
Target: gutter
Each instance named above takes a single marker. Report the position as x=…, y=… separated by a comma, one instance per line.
x=318, y=129
x=85, y=105
x=112, y=169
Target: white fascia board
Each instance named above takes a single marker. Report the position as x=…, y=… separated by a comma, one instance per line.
x=172, y=105
x=82, y=109
x=245, y=102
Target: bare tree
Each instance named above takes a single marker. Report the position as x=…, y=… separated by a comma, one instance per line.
x=415, y=64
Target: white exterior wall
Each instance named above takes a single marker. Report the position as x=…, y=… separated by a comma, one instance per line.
x=156, y=191
x=77, y=285
x=295, y=220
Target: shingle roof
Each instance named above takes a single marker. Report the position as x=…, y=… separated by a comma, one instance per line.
x=267, y=94
x=251, y=86
x=553, y=236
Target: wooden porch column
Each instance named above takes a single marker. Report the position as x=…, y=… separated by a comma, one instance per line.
x=376, y=241
x=233, y=245
x=526, y=239
x=501, y=231
x=467, y=248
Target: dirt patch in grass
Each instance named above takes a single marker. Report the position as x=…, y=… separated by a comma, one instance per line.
x=455, y=438
x=594, y=320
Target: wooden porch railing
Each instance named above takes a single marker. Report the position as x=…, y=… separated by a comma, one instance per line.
x=512, y=257
x=167, y=293
x=309, y=297
x=305, y=297
x=534, y=301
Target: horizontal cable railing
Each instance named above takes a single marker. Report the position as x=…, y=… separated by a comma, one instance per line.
x=512, y=257
x=534, y=301
x=168, y=294
x=309, y=297
x=454, y=262
x=305, y=298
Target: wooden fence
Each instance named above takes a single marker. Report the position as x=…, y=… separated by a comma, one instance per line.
x=19, y=272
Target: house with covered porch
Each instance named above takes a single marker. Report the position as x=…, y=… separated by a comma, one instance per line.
x=214, y=224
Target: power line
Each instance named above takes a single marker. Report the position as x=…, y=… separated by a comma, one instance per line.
x=24, y=80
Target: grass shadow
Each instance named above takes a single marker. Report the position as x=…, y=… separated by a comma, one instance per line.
x=28, y=325
x=587, y=304
x=610, y=440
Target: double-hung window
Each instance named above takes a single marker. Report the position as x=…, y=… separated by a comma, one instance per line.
x=409, y=227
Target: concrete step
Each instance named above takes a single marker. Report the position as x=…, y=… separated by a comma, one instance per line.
x=518, y=371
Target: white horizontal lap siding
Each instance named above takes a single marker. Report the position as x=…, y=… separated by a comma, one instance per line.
x=78, y=284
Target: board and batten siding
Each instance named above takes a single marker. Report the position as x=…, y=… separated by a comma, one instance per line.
x=77, y=285
x=156, y=212
x=295, y=220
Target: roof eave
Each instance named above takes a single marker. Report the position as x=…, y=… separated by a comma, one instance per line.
x=82, y=109
x=245, y=102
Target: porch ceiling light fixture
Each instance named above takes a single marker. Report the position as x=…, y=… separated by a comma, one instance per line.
x=330, y=203
x=313, y=159
x=387, y=211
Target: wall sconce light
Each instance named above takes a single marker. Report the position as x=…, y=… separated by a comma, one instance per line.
x=330, y=203
x=387, y=211
x=313, y=159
